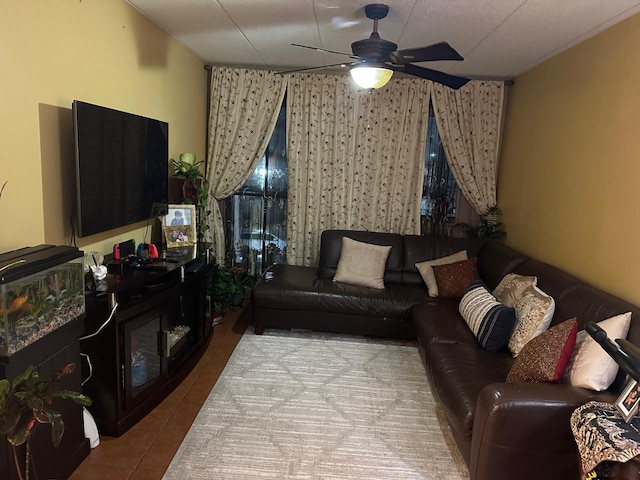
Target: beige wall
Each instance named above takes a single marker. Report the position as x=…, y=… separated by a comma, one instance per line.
x=98, y=51
x=570, y=168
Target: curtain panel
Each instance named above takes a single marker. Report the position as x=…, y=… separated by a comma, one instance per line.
x=243, y=112
x=356, y=159
x=470, y=121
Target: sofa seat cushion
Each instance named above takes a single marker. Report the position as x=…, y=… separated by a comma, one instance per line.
x=457, y=373
x=438, y=320
x=291, y=287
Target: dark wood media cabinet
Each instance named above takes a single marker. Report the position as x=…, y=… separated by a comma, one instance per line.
x=145, y=329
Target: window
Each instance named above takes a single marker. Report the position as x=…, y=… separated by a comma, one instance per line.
x=256, y=215
x=439, y=191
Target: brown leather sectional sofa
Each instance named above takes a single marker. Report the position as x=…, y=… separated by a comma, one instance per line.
x=505, y=431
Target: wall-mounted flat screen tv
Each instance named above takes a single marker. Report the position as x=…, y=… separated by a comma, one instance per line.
x=122, y=167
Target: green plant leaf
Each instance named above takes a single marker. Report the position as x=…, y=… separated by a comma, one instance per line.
x=77, y=397
x=22, y=377
x=22, y=430
x=5, y=388
x=9, y=417
x=57, y=427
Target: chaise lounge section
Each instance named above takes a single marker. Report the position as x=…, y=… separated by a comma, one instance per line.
x=503, y=430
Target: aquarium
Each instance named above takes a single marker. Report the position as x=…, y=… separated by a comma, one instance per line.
x=41, y=289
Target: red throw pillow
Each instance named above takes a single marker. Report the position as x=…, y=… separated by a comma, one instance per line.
x=545, y=357
x=454, y=278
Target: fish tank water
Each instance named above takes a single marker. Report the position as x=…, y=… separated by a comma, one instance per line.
x=38, y=295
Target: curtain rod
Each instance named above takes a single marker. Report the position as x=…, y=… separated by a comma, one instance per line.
x=209, y=68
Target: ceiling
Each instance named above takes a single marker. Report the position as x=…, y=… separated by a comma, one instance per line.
x=498, y=39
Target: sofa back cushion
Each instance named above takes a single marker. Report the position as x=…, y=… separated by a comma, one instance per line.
x=495, y=260
x=554, y=282
x=331, y=248
x=575, y=298
x=594, y=305
x=418, y=248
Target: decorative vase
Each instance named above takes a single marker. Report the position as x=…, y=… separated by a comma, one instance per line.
x=235, y=299
x=183, y=190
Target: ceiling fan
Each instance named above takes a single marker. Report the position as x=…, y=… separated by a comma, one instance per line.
x=376, y=59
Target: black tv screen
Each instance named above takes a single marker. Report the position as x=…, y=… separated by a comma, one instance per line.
x=122, y=167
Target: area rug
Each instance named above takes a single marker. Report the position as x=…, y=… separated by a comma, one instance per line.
x=312, y=406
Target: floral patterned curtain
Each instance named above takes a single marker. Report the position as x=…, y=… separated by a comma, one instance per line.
x=470, y=122
x=356, y=159
x=243, y=113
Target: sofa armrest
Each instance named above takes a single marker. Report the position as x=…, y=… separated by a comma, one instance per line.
x=522, y=430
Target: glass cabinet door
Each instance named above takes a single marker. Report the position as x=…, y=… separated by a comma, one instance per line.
x=142, y=354
x=181, y=332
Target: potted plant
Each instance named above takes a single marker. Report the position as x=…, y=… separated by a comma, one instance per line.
x=222, y=287
x=189, y=185
x=242, y=283
x=490, y=226
x=26, y=402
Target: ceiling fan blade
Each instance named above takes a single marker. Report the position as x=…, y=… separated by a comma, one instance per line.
x=437, y=51
x=451, y=81
x=300, y=70
x=324, y=50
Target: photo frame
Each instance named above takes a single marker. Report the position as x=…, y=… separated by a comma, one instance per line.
x=179, y=225
x=629, y=400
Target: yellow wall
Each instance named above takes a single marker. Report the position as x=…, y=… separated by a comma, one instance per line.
x=98, y=51
x=570, y=168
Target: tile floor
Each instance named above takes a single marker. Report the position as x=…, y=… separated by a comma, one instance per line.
x=145, y=451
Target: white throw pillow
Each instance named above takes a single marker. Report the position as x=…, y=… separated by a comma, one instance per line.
x=426, y=272
x=362, y=263
x=534, y=311
x=590, y=366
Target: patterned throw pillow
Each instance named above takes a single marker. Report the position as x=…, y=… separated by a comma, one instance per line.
x=362, y=263
x=426, y=270
x=511, y=287
x=454, y=278
x=534, y=312
x=590, y=365
x=489, y=320
x=545, y=358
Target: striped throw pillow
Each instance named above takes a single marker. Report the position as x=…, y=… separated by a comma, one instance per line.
x=490, y=321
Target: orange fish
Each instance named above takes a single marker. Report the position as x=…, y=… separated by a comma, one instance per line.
x=20, y=303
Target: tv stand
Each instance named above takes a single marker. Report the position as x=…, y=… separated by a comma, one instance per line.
x=158, y=330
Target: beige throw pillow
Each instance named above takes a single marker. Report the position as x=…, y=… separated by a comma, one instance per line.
x=510, y=288
x=362, y=263
x=590, y=366
x=426, y=270
x=534, y=311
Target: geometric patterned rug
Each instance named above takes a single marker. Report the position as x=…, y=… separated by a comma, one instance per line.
x=302, y=405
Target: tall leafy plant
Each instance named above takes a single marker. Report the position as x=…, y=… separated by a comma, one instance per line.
x=27, y=402
x=188, y=169
x=490, y=226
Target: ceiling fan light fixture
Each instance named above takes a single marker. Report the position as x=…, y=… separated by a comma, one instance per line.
x=371, y=76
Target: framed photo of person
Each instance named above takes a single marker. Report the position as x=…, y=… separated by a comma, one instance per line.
x=628, y=401
x=179, y=226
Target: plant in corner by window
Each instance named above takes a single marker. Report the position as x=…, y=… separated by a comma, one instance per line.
x=223, y=287
x=26, y=402
x=242, y=280
x=490, y=226
x=187, y=168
